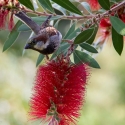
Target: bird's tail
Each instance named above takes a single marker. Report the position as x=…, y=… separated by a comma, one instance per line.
x=28, y=21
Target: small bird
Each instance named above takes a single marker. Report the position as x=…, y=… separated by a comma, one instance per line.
x=47, y=38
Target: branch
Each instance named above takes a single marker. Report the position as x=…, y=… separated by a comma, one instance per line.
x=115, y=8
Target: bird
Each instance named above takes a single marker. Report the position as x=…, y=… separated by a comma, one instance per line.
x=46, y=40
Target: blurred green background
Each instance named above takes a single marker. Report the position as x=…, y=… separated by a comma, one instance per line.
x=105, y=94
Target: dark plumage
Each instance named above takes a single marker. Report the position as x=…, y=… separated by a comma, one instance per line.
x=46, y=40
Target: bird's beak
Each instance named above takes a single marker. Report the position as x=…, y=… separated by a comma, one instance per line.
x=27, y=46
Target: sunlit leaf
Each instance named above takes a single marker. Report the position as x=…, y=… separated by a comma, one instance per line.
x=35, y=5
x=118, y=25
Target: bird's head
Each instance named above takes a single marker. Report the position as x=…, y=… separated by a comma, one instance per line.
x=35, y=44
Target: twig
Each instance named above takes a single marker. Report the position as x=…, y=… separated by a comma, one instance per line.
x=115, y=8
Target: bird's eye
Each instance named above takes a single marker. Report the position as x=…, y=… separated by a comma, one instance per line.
x=33, y=42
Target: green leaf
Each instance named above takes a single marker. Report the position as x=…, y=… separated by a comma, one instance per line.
x=56, y=24
x=81, y=57
x=92, y=38
x=118, y=25
x=63, y=48
x=40, y=58
x=27, y=3
x=71, y=29
x=38, y=20
x=105, y=4
x=88, y=47
x=84, y=36
x=59, y=8
x=46, y=5
x=68, y=5
x=117, y=41
x=86, y=6
x=23, y=27
x=43, y=18
x=73, y=34
x=12, y=36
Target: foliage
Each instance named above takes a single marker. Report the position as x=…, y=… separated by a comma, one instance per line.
x=88, y=25
x=86, y=32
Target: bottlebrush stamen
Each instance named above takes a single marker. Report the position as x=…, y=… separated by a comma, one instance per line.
x=94, y=5
x=59, y=92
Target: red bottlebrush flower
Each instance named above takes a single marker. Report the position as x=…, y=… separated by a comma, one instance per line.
x=121, y=14
x=3, y=18
x=104, y=30
x=4, y=14
x=122, y=17
x=58, y=92
x=105, y=23
x=94, y=5
x=11, y=22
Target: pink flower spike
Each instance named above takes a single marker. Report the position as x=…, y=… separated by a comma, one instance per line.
x=59, y=92
x=11, y=22
x=94, y=5
x=105, y=23
x=3, y=17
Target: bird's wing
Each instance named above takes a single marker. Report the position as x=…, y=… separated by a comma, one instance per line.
x=46, y=23
x=45, y=34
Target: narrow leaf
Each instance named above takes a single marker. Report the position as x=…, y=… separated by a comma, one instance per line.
x=118, y=25
x=105, y=4
x=117, y=41
x=71, y=29
x=40, y=58
x=56, y=24
x=27, y=3
x=81, y=57
x=43, y=18
x=73, y=34
x=68, y=5
x=23, y=27
x=59, y=8
x=63, y=48
x=12, y=36
x=46, y=5
x=88, y=47
x=86, y=6
x=84, y=36
x=35, y=5
x=92, y=38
